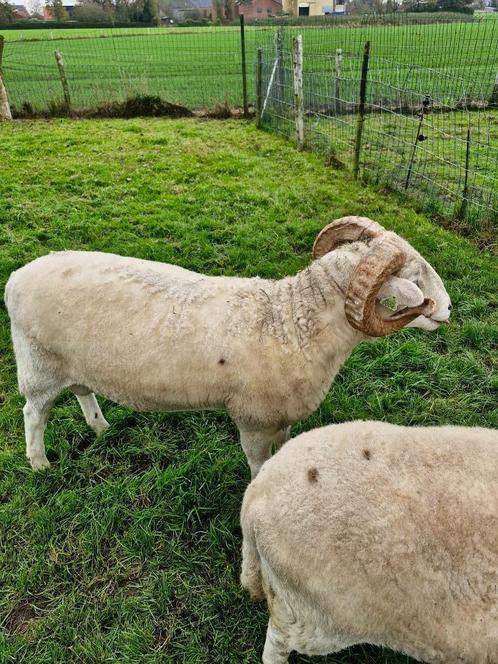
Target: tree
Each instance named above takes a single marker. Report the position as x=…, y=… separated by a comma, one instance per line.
x=144, y=11
x=36, y=8
x=91, y=12
x=150, y=12
x=58, y=10
x=7, y=12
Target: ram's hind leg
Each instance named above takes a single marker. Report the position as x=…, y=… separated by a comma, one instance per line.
x=39, y=378
x=36, y=413
x=91, y=409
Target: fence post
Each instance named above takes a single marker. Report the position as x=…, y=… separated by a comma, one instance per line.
x=418, y=138
x=62, y=74
x=462, y=213
x=494, y=95
x=259, y=86
x=298, y=90
x=5, y=113
x=244, y=68
x=280, y=65
x=337, y=91
x=361, y=110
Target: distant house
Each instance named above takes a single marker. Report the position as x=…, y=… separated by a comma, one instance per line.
x=183, y=9
x=314, y=7
x=20, y=12
x=260, y=8
x=204, y=7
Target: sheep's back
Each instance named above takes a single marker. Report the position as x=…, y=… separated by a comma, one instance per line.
x=147, y=334
x=390, y=531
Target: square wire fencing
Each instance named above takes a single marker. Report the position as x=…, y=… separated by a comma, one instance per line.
x=429, y=132
x=194, y=68
x=428, y=118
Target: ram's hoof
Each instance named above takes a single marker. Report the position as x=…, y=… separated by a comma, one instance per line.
x=39, y=462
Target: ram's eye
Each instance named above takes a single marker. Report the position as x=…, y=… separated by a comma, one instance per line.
x=390, y=303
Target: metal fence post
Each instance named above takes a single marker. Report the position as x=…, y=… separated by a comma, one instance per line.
x=244, y=68
x=419, y=137
x=259, y=86
x=361, y=110
x=5, y=113
x=65, y=85
x=462, y=213
x=298, y=90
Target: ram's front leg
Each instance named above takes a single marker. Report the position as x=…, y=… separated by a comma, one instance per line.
x=258, y=443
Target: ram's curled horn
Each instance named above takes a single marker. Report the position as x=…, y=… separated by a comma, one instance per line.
x=346, y=229
x=384, y=259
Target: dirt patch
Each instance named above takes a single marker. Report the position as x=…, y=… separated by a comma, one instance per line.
x=138, y=106
x=23, y=615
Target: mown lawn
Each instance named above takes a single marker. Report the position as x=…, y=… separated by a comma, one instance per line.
x=128, y=549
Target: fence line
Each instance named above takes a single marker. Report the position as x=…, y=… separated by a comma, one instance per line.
x=430, y=134
x=429, y=116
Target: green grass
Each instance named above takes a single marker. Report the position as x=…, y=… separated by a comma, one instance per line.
x=198, y=67
x=128, y=549
x=437, y=178
x=20, y=34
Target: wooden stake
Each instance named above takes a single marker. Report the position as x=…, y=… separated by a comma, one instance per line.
x=337, y=91
x=298, y=90
x=244, y=68
x=5, y=112
x=361, y=110
x=259, y=86
x=62, y=74
x=280, y=66
x=494, y=95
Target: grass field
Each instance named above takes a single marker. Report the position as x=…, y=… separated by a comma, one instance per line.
x=128, y=549
x=437, y=172
x=198, y=67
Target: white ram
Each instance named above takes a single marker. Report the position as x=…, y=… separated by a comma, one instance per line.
x=155, y=336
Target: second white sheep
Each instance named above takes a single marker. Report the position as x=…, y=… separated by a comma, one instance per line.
x=366, y=532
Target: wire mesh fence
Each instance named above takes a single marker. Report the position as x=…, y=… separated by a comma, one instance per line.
x=194, y=69
x=430, y=132
x=431, y=107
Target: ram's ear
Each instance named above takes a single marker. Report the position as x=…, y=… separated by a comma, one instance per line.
x=397, y=293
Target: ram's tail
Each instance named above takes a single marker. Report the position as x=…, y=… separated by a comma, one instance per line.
x=250, y=577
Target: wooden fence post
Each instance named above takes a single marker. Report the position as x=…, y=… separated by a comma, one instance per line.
x=62, y=74
x=337, y=90
x=361, y=110
x=298, y=90
x=244, y=68
x=494, y=95
x=5, y=113
x=280, y=66
x=259, y=86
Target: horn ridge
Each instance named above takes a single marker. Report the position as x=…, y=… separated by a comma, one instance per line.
x=383, y=260
x=345, y=229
